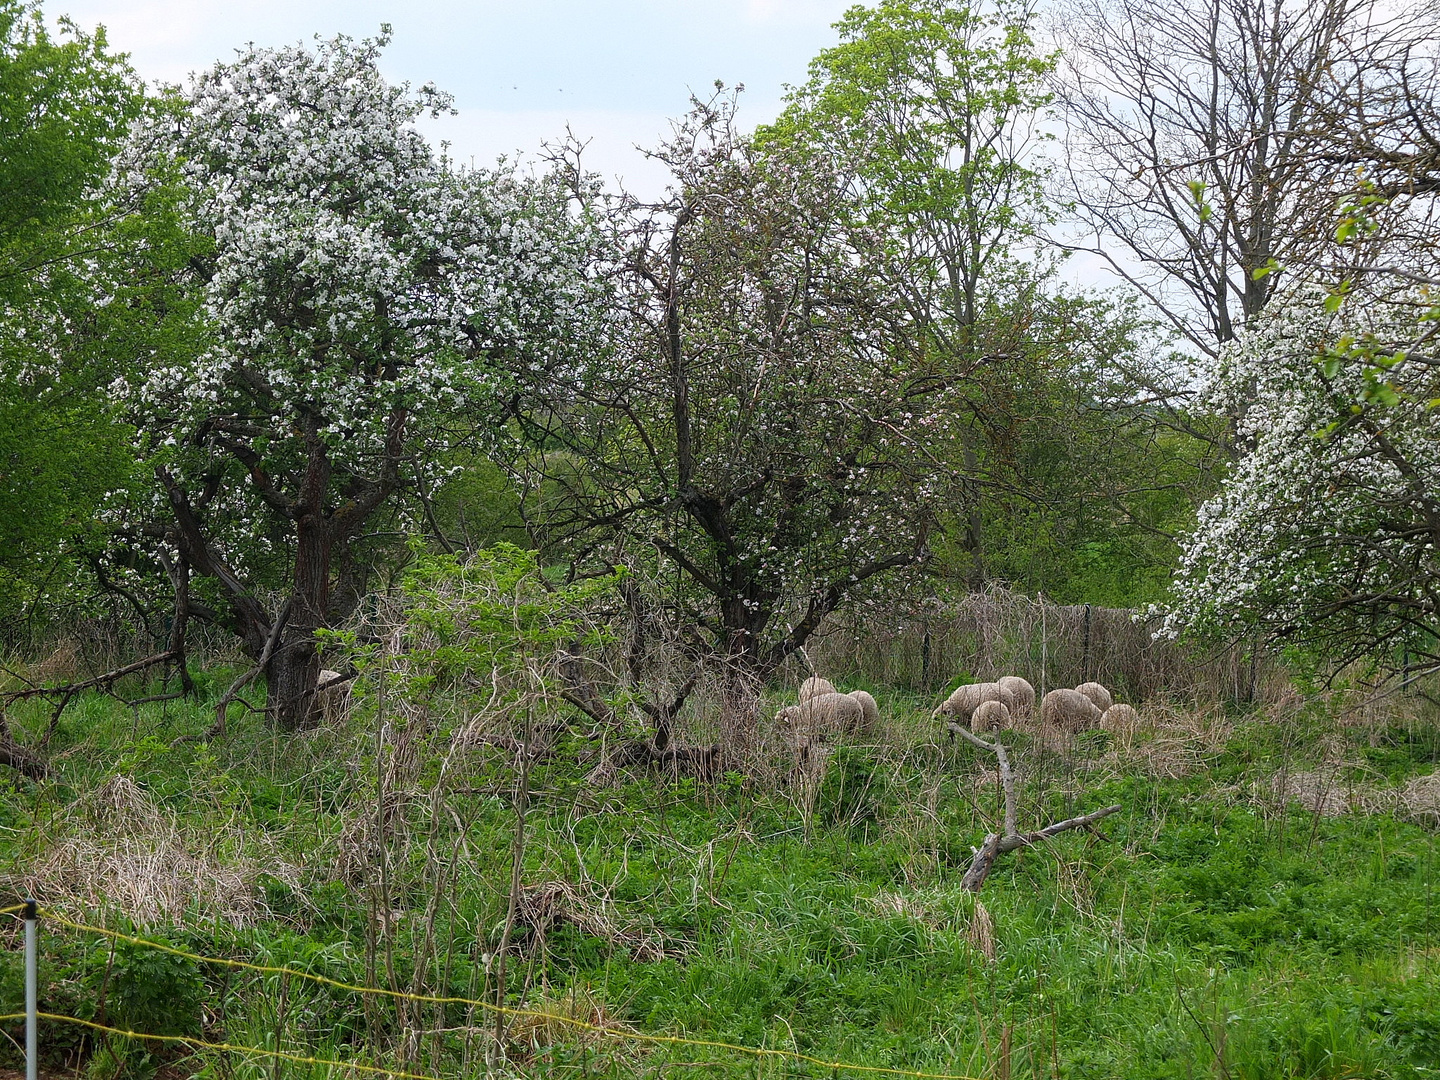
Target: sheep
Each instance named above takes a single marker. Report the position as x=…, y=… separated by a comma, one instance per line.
x=332, y=697
x=1119, y=718
x=871, y=712
x=990, y=716
x=822, y=716
x=814, y=686
x=1097, y=694
x=1069, y=710
x=963, y=701
x=1023, y=693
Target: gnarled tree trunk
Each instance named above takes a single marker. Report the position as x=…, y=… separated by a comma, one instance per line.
x=295, y=666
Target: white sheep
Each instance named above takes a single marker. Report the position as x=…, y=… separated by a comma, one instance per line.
x=964, y=700
x=870, y=710
x=332, y=697
x=1097, y=694
x=1023, y=693
x=990, y=716
x=814, y=686
x=822, y=716
x=1120, y=718
x=1069, y=710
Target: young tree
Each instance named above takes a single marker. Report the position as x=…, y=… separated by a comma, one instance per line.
x=357, y=293
x=933, y=111
x=1326, y=532
x=935, y=108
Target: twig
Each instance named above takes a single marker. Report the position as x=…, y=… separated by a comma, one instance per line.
x=1007, y=776
x=70, y=689
x=222, y=707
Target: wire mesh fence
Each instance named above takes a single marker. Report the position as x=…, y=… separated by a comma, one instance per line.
x=926, y=647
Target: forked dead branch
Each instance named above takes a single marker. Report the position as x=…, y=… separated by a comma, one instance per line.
x=1009, y=839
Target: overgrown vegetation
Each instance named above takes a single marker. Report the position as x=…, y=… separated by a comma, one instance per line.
x=1230, y=923
x=525, y=501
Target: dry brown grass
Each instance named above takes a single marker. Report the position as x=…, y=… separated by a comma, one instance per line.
x=981, y=933
x=1331, y=792
x=117, y=851
x=1419, y=799
x=1321, y=791
x=549, y=904
x=909, y=905
x=1167, y=740
x=574, y=1017
x=61, y=665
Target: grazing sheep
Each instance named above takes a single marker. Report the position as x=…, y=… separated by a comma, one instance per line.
x=871, y=712
x=332, y=702
x=1097, y=694
x=1119, y=718
x=814, y=686
x=1023, y=693
x=990, y=716
x=1069, y=710
x=963, y=701
x=822, y=716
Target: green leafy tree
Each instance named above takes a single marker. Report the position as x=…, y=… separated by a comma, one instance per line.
x=65, y=103
x=937, y=110
x=934, y=107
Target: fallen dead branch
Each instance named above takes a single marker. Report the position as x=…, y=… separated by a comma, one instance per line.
x=22, y=760
x=31, y=761
x=997, y=844
x=704, y=763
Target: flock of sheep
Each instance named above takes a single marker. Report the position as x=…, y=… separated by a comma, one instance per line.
x=981, y=707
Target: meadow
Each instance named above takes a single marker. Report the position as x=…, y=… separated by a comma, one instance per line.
x=1262, y=907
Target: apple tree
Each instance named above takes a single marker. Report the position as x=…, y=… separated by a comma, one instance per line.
x=361, y=298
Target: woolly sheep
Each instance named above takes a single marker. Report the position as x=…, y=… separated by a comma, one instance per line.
x=871, y=712
x=821, y=716
x=1023, y=693
x=989, y=716
x=1097, y=694
x=332, y=702
x=1069, y=710
x=1119, y=718
x=963, y=701
x=814, y=686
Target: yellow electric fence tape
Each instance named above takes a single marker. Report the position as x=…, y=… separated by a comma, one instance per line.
x=202, y=1044
x=582, y=1025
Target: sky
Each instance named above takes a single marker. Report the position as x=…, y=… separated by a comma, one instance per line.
x=521, y=71
x=614, y=71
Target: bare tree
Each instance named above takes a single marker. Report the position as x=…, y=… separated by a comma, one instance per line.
x=1387, y=125
x=1206, y=141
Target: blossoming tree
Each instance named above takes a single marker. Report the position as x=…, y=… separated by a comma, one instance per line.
x=358, y=293
x=1327, y=532
x=763, y=435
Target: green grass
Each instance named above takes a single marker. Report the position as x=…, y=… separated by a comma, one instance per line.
x=1216, y=930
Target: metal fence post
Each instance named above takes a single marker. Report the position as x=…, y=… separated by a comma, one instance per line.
x=32, y=1037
